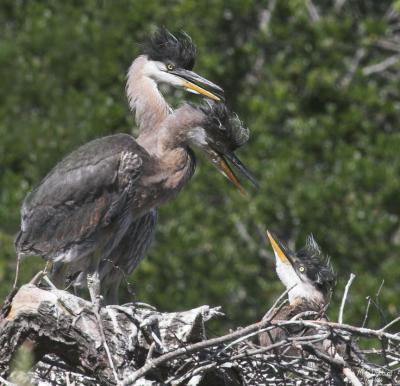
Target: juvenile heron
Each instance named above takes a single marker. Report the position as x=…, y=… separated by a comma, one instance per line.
x=309, y=278
x=166, y=59
x=83, y=210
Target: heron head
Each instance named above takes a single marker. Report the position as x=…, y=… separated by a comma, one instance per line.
x=170, y=59
x=221, y=132
x=307, y=273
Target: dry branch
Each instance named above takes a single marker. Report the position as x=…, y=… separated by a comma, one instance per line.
x=381, y=66
x=64, y=328
x=153, y=348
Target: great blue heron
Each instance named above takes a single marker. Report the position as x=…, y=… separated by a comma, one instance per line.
x=166, y=59
x=309, y=278
x=221, y=135
x=82, y=210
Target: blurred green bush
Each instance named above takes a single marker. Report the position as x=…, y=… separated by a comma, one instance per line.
x=324, y=144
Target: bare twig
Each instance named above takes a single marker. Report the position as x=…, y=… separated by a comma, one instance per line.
x=353, y=66
x=381, y=66
x=388, y=45
x=349, y=373
x=104, y=342
x=337, y=361
x=362, y=331
x=379, y=289
x=346, y=290
x=313, y=11
x=257, y=327
x=366, y=311
x=390, y=324
x=188, y=359
x=266, y=14
x=191, y=349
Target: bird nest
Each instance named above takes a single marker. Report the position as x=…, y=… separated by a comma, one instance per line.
x=68, y=341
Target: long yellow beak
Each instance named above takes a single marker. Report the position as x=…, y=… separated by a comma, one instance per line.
x=277, y=249
x=195, y=83
x=198, y=90
x=227, y=171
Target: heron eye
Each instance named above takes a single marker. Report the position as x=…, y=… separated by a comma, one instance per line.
x=301, y=268
x=170, y=66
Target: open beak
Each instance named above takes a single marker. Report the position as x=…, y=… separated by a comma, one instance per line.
x=242, y=169
x=222, y=165
x=198, y=85
x=279, y=248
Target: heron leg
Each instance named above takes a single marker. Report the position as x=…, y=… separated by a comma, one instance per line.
x=110, y=287
x=17, y=271
x=93, y=283
x=79, y=283
x=93, y=280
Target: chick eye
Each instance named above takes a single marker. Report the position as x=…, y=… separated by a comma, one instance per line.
x=301, y=268
x=170, y=66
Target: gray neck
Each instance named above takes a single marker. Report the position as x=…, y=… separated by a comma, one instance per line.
x=175, y=131
x=144, y=97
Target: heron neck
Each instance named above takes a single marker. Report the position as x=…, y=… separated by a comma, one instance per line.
x=145, y=99
x=173, y=133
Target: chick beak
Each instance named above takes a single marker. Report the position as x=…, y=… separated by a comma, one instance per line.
x=219, y=161
x=279, y=248
x=226, y=170
x=231, y=156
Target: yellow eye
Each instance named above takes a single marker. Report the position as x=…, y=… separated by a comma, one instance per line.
x=170, y=66
x=301, y=268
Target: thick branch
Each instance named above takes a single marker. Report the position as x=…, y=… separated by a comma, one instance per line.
x=65, y=327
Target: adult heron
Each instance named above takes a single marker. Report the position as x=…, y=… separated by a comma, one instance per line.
x=166, y=58
x=82, y=211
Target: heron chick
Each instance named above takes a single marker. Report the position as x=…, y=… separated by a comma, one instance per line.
x=308, y=277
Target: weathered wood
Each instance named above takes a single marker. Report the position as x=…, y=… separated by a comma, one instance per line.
x=65, y=326
x=151, y=348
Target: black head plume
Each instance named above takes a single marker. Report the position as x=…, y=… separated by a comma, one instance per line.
x=223, y=126
x=163, y=46
x=318, y=267
x=222, y=134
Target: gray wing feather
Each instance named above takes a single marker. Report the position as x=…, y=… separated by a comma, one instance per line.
x=84, y=192
x=127, y=255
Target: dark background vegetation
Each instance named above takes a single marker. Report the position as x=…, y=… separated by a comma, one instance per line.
x=318, y=85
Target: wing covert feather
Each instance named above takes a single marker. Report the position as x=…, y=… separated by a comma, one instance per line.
x=73, y=200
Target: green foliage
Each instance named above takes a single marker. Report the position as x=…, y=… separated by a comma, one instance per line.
x=324, y=138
